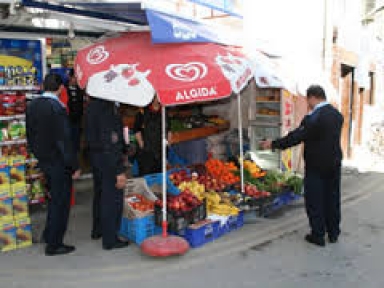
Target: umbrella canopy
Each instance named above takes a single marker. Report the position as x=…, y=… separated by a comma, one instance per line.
x=130, y=69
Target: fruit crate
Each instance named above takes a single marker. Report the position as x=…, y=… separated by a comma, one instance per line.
x=139, y=229
x=222, y=230
x=177, y=220
x=199, y=213
x=198, y=235
x=137, y=186
x=157, y=179
x=235, y=222
x=282, y=200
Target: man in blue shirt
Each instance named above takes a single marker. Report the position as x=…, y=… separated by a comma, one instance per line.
x=320, y=131
x=49, y=139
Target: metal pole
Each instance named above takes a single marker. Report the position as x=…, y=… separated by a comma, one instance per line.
x=164, y=168
x=240, y=125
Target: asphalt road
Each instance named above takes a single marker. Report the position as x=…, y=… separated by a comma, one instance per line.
x=268, y=253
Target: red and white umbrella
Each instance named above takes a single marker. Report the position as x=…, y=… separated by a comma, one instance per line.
x=130, y=69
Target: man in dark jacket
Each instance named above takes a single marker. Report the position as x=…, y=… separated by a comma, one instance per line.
x=104, y=135
x=320, y=131
x=75, y=105
x=49, y=139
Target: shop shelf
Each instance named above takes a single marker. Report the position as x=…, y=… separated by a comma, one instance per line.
x=13, y=142
x=19, y=88
x=203, y=234
x=137, y=230
x=34, y=176
x=12, y=117
x=39, y=200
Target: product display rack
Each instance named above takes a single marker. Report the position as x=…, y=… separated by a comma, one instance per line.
x=265, y=123
x=28, y=160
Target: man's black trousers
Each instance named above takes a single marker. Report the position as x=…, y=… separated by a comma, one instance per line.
x=322, y=201
x=59, y=182
x=110, y=200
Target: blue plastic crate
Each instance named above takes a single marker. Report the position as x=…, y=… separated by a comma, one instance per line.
x=235, y=222
x=137, y=230
x=222, y=230
x=157, y=178
x=280, y=201
x=202, y=235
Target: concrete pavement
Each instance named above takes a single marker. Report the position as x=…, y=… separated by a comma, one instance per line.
x=245, y=258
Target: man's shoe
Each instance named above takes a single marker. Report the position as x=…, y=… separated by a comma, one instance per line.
x=333, y=239
x=310, y=238
x=96, y=235
x=61, y=250
x=119, y=244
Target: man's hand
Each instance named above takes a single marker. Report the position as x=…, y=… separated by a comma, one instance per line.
x=76, y=174
x=266, y=144
x=121, y=181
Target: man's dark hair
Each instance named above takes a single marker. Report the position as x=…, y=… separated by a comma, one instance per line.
x=316, y=91
x=52, y=82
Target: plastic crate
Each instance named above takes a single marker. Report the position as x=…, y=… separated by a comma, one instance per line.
x=235, y=222
x=282, y=200
x=137, y=230
x=199, y=213
x=177, y=220
x=222, y=230
x=137, y=186
x=157, y=178
x=206, y=233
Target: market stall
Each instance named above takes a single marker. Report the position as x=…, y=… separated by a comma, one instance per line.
x=204, y=201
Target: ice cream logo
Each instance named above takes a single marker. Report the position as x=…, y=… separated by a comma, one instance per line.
x=97, y=55
x=188, y=72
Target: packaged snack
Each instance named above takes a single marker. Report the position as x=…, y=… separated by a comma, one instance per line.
x=6, y=212
x=20, y=206
x=7, y=236
x=9, y=104
x=18, y=189
x=4, y=172
x=23, y=232
x=17, y=170
x=20, y=104
x=16, y=130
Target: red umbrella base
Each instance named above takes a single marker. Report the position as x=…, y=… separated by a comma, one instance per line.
x=159, y=246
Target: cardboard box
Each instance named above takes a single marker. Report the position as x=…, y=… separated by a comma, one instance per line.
x=20, y=206
x=23, y=232
x=18, y=189
x=6, y=208
x=4, y=172
x=7, y=236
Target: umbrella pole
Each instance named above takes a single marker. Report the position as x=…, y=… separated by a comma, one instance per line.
x=240, y=125
x=164, y=168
